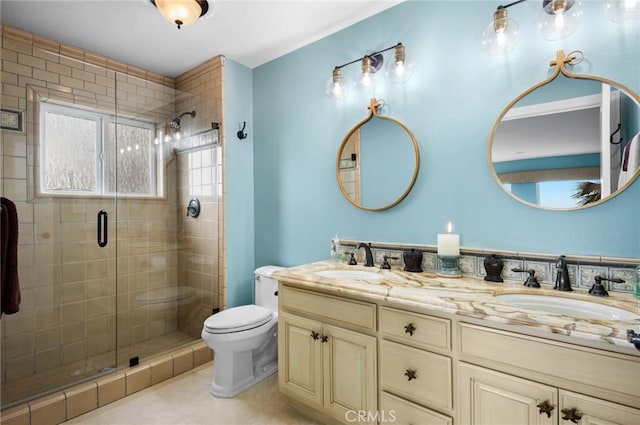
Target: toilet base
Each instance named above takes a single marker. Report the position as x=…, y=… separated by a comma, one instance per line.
x=235, y=372
x=226, y=392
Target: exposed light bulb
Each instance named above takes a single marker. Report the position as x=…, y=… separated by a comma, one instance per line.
x=559, y=18
x=559, y=21
x=335, y=87
x=501, y=35
x=366, y=80
x=400, y=69
x=501, y=39
x=178, y=135
x=167, y=138
x=121, y=151
x=128, y=148
x=137, y=146
x=622, y=10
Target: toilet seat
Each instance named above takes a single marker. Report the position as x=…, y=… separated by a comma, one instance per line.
x=237, y=319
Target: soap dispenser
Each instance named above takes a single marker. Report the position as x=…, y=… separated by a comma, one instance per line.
x=336, y=252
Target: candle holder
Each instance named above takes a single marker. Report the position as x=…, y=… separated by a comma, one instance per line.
x=448, y=266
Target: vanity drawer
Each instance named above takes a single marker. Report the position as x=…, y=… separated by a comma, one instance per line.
x=328, y=308
x=402, y=412
x=431, y=385
x=565, y=365
x=415, y=329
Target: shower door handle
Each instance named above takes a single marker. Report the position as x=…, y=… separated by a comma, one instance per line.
x=102, y=228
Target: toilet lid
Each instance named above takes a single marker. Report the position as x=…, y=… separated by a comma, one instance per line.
x=238, y=319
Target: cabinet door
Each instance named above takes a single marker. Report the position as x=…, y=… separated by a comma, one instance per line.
x=587, y=410
x=350, y=371
x=492, y=398
x=300, y=358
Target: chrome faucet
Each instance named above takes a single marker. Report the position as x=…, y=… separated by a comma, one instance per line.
x=563, y=283
x=368, y=262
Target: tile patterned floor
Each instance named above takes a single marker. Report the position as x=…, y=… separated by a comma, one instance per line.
x=185, y=400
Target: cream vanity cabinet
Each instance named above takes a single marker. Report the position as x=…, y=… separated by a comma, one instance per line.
x=542, y=382
x=326, y=358
x=415, y=367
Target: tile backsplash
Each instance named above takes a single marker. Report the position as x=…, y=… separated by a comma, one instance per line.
x=582, y=269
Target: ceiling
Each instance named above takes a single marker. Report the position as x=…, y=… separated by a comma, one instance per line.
x=134, y=32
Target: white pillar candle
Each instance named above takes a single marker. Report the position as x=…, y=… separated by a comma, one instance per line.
x=448, y=244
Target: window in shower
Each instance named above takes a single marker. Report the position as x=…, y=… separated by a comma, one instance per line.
x=90, y=154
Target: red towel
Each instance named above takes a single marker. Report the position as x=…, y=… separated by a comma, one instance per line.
x=9, y=285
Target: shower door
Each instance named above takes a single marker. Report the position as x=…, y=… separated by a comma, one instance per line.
x=65, y=329
x=111, y=270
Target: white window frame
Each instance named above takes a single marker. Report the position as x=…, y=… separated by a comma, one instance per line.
x=102, y=188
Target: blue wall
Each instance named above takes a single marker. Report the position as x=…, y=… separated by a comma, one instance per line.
x=548, y=163
x=451, y=103
x=239, y=184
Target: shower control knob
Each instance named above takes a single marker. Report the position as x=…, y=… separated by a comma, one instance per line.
x=193, y=209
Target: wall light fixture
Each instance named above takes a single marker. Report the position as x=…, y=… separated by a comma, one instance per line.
x=557, y=19
x=398, y=71
x=181, y=12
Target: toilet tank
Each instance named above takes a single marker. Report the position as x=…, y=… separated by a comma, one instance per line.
x=266, y=287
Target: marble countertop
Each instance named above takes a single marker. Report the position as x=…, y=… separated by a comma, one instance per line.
x=469, y=297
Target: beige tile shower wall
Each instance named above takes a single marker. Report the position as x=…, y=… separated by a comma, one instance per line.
x=198, y=255
x=201, y=256
x=69, y=296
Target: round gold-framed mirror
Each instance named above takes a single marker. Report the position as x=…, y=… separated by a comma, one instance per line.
x=565, y=143
x=377, y=162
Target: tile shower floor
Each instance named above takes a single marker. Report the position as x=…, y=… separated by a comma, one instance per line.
x=21, y=388
x=185, y=400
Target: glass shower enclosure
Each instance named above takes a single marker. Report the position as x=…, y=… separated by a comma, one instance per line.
x=112, y=271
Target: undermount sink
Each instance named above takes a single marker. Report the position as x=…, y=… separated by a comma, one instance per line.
x=566, y=306
x=349, y=274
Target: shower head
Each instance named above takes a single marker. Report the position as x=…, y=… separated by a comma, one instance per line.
x=175, y=123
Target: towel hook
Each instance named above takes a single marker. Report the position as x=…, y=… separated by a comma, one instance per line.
x=241, y=134
x=614, y=133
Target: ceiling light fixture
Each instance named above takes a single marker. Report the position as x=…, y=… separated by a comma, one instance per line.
x=181, y=12
x=399, y=70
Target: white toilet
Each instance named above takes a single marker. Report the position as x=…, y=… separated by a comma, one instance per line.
x=245, y=339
